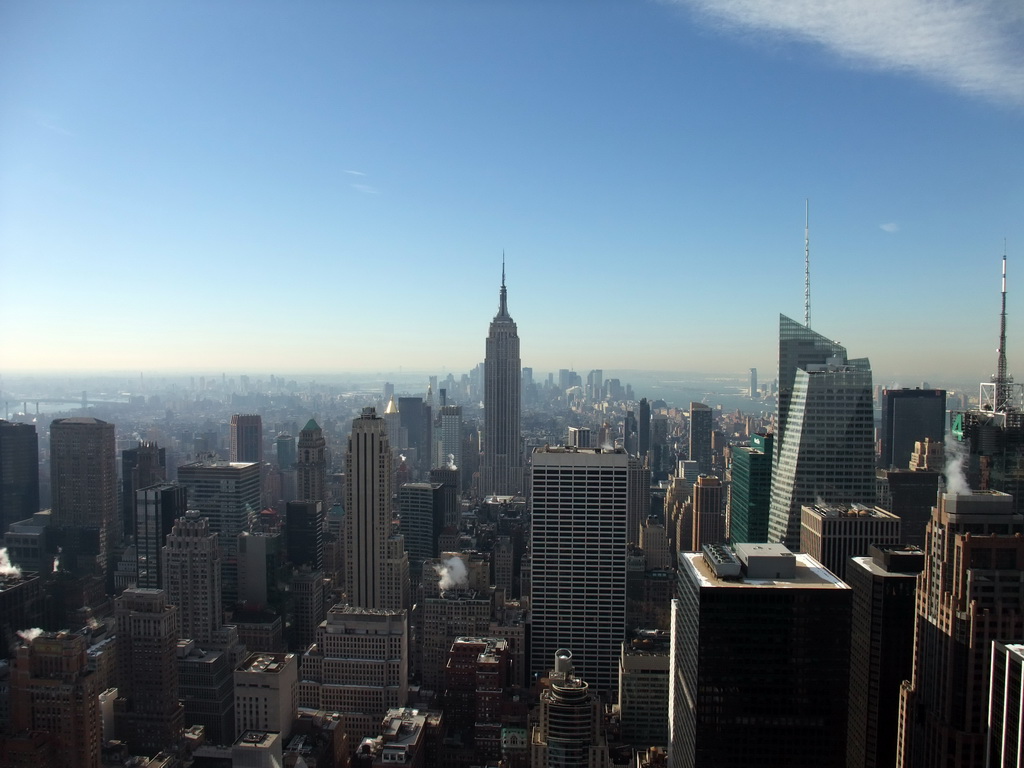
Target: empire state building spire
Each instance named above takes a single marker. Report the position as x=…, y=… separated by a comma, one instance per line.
x=502, y=460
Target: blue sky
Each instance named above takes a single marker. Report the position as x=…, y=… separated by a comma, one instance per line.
x=317, y=186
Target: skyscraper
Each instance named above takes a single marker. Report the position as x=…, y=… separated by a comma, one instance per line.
x=701, y=425
x=54, y=689
x=147, y=711
x=448, y=440
x=376, y=563
x=580, y=501
x=192, y=576
x=414, y=416
x=421, y=520
x=993, y=433
x=760, y=660
x=881, y=650
x=286, y=453
x=750, y=491
x=247, y=437
x=834, y=533
x=643, y=427
x=83, y=480
x=358, y=666
x=824, y=450
x=502, y=471
x=968, y=595
x=708, y=512
x=1007, y=710
x=141, y=467
x=568, y=732
x=156, y=509
x=658, y=458
x=311, y=466
x=19, y=473
x=267, y=693
x=910, y=416
x=304, y=533
x=228, y=493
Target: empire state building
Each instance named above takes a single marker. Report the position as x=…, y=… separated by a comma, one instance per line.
x=502, y=460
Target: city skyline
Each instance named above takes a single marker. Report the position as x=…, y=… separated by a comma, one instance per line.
x=232, y=166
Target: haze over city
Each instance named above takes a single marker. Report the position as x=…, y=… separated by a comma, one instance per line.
x=330, y=187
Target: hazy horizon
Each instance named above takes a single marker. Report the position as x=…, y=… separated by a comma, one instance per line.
x=333, y=186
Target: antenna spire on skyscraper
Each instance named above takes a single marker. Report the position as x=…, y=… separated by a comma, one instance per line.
x=1003, y=382
x=807, y=262
x=503, y=295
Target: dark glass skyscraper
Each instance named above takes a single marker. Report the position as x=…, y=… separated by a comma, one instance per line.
x=701, y=424
x=19, y=473
x=881, y=649
x=909, y=416
x=247, y=437
x=156, y=509
x=502, y=471
x=304, y=533
x=760, y=660
x=750, y=491
x=141, y=467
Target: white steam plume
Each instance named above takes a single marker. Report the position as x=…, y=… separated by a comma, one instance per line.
x=956, y=480
x=452, y=574
x=7, y=568
x=28, y=635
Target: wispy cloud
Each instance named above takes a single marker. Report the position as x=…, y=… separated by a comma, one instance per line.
x=365, y=189
x=54, y=128
x=355, y=173
x=971, y=45
x=890, y=227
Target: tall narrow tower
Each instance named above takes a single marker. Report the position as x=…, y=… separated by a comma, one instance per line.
x=502, y=472
x=83, y=478
x=247, y=437
x=580, y=507
x=311, y=467
x=825, y=445
x=375, y=559
x=147, y=711
x=19, y=473
x=192, y=576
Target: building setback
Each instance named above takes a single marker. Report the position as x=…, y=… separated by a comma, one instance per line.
x=969, y=595
x=502, y=470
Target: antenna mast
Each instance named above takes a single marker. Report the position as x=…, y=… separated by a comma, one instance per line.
x=1003, y=382
x=807, y=262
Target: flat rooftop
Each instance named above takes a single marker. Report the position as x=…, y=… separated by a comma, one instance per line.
x=267, y=662
x=849, y=511
x=810, y=574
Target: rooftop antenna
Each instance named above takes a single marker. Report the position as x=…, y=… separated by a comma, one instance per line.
x=807, y=262
x=997, y=396
x=1003, y=382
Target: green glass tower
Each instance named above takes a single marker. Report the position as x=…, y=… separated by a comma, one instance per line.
x=751, y=488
